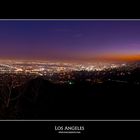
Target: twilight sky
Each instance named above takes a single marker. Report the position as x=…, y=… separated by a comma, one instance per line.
x=70, y=39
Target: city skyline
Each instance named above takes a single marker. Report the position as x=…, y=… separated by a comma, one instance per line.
x=70, y=40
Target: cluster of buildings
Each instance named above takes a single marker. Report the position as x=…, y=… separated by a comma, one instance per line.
x=20, y=72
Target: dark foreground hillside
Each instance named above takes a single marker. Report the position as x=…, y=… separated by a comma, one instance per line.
x=41, y=99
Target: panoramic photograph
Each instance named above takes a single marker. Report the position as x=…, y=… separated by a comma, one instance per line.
x=70, y=69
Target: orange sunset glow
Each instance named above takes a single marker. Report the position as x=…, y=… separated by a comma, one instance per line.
x=114, y=57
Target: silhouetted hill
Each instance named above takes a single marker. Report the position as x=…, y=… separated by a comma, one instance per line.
x=41, y=99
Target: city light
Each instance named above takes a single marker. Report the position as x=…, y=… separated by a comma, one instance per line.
x=48, y=67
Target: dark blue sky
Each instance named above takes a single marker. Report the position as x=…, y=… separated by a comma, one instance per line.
x=68, y=40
